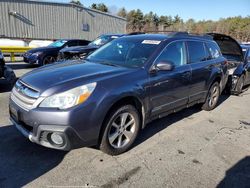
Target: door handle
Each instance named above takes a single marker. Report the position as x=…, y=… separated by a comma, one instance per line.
x=186, y=74
x=209, y=67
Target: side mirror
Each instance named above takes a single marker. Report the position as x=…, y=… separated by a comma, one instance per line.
x=164, y=66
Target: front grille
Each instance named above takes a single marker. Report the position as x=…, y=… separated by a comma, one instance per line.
x=24, y=96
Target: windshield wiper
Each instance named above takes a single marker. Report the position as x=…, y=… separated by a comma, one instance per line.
x=108, y=63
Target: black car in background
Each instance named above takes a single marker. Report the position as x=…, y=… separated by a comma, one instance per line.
x=241, y=76
x=6, y=71
x=110, y=96
x=238, y=63
x=46, y=55
x=81, y=51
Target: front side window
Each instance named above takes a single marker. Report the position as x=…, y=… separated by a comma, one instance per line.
x=58, y=43
x=174, y=53
x=196, y=51
x=103, y=39
x=124, y=52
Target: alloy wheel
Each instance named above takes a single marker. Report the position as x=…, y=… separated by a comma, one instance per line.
x=213, y=96
x=48, y=60
x=122, y=130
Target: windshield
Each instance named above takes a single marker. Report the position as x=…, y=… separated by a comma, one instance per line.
x=125, y=52
x=58, y=43
x=102, y=40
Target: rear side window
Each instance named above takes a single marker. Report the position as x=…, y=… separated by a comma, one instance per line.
x=72, y=43
x=213, y=50
x=196, y=51
x=175, y=53
x=83, y=43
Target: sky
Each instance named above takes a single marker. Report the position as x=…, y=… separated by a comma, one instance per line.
x=186, y=9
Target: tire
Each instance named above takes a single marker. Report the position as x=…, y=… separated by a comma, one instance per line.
x=212, y=97
x=48, y=60
x=239, y=85
x=121, y=129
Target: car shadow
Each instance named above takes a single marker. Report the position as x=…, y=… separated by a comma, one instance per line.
x=237, y=176
x=158, y=125
x=21, y=161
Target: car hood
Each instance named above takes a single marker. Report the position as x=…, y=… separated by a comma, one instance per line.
x=229, y=46
x=78, y=49
x=70, y=74
x=43, y=49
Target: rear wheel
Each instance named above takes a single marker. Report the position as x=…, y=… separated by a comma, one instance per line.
x=48, y=60
x=240, y=85
x=212, y=97
x=121, y=129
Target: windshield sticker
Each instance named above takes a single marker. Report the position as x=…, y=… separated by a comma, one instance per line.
x=155, y=42
x=114, y=37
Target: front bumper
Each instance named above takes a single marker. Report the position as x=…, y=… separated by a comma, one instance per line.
x=31, y=59
x=38, y=126
x=42, y=137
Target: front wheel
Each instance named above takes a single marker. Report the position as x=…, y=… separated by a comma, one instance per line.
x=212, y=97
x=121, y=129
x=48, y=60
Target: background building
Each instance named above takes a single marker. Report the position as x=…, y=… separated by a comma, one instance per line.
x=50, y=20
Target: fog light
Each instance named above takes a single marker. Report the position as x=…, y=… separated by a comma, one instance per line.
x=57, y=138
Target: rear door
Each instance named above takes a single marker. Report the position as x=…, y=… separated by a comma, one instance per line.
x=83, y=42
x=201, y=66
x=71, y=43
x=169, y=89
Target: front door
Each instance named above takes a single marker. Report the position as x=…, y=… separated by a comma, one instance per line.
x=170, y=89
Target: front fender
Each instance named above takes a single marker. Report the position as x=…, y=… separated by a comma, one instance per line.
x=110, y=98
x=239, y=70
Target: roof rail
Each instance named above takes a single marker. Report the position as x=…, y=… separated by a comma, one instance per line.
x=197, y=35
x=206, y=36
x=183, y=34
x=136, y=33
x=179, y=34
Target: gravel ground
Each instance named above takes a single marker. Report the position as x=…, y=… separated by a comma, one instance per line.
x=191, y=148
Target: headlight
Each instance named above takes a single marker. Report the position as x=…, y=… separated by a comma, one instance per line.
x=69, y=98
x=36, y=53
